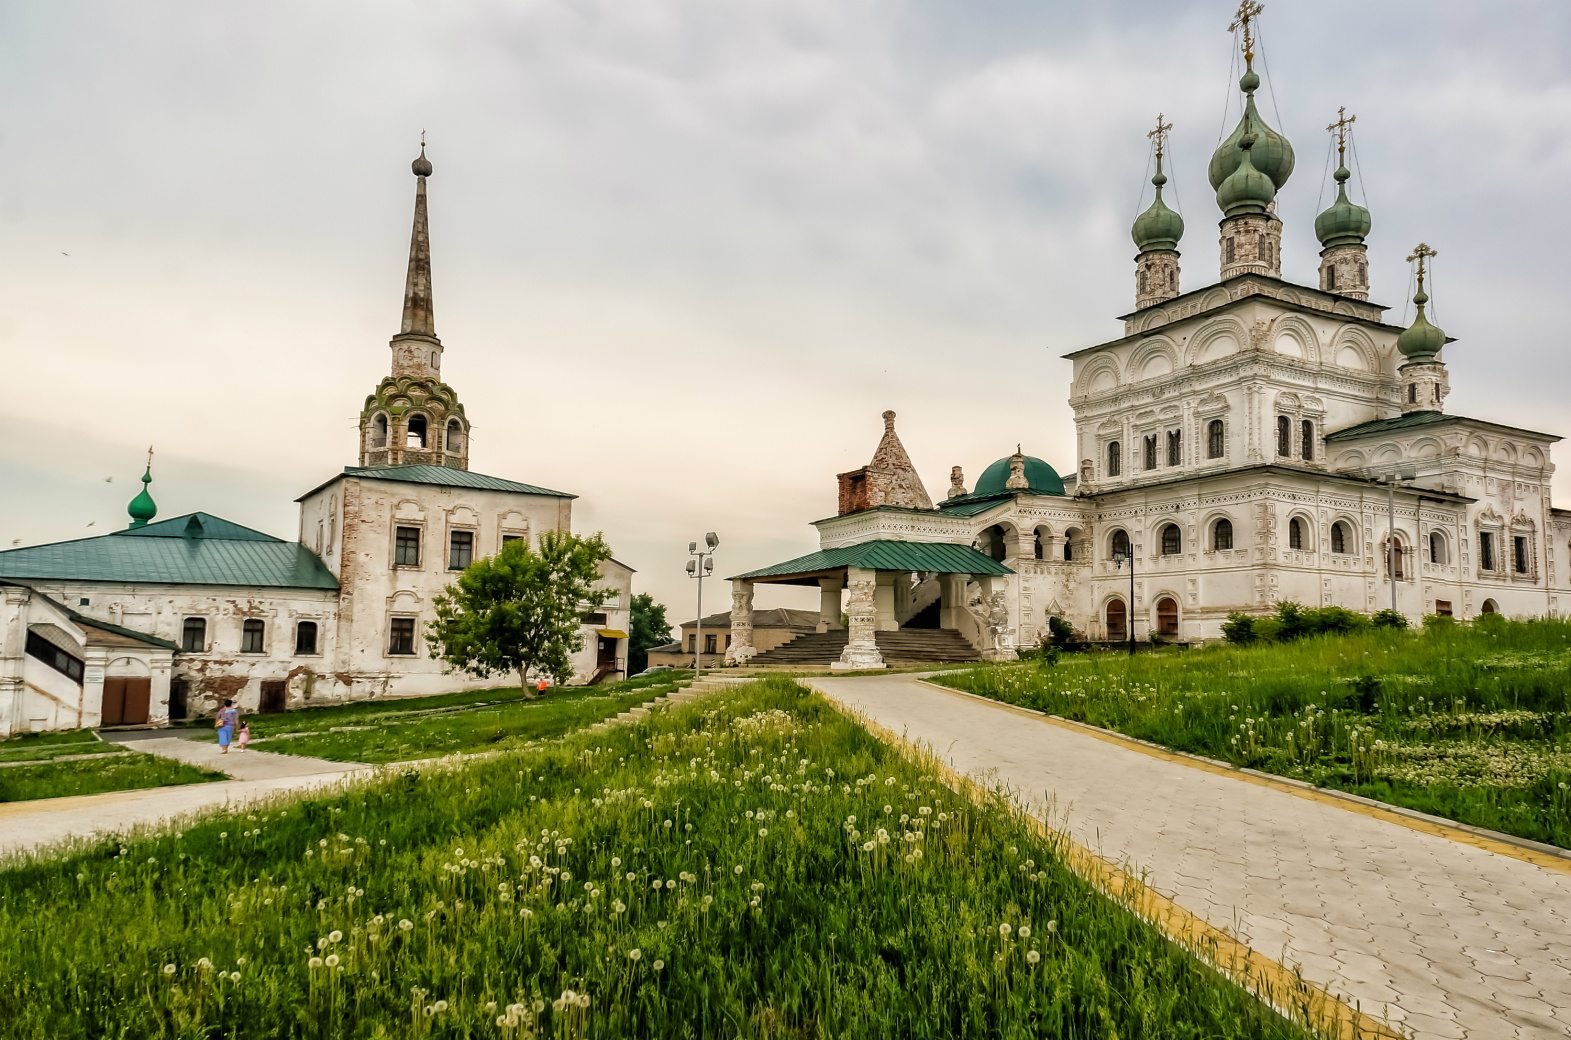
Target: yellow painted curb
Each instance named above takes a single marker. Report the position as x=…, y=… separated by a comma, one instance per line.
x=1423, y=825
x=1267, y=979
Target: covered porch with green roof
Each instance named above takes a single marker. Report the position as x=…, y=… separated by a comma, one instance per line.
x=878, y=575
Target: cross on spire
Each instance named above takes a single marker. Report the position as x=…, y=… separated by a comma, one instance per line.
x=1248, y=11
x=1343, y=124
x=1159, y=135
x=1421, y=253
x=149, y=457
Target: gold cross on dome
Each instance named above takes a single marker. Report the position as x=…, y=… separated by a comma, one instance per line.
x=1343, y=124
x=1420, y=253
x=1159, y=135
x=149, y=456
x=1248, y=11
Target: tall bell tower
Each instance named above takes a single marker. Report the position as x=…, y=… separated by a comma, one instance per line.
x=414, y=418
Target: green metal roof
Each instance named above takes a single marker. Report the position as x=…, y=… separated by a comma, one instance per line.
x=971, y=505
x=195, y=549
x=442, y=476
x=1414, y=420
x=887, y=555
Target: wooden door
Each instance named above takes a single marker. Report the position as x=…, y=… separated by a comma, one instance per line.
x=274, y=695
x=138, y=697
x=112, y=712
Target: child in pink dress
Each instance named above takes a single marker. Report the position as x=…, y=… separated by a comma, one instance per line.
x=245, y=735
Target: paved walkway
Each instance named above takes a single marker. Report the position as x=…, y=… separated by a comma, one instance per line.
x=258, y=775
x=1444, y=939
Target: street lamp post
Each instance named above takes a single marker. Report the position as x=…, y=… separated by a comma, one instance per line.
x=1391, y=480
x=701, y=566
x=1121, y=560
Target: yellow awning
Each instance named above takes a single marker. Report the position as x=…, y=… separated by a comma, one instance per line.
x=611, y=633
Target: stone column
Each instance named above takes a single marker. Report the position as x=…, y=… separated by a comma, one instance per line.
x=884, y=616
x=829, y=590
x=741, y=649
x=861, y=650
x=952, y=593
x=995, y=609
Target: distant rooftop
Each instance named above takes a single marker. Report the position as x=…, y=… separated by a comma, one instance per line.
x=441, y=476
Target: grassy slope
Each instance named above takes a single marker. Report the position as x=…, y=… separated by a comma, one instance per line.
x=722, y=840
x=96, y=775
x=1473, y=723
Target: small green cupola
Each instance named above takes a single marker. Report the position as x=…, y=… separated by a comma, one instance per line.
x=142, y=507
x=1420, y=342
x=1247, y=190
x=1344, y=222
x=1156, y=233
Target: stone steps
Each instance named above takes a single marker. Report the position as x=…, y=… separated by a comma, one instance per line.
x=691, y=692
x=904, y=646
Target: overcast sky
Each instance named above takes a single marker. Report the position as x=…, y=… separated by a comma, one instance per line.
x=686, y=251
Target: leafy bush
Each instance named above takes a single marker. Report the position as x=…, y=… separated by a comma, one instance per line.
x=1389, y=618
x=1239, y=628
x=1060, y=631
x=1268, y=630
x=1433, y=622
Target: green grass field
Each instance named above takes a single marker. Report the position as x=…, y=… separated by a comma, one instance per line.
x=95, y=775
x=750, y=865
x=1467, y=722
x=425, y=727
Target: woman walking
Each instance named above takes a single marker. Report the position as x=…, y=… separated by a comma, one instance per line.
x=228, y=719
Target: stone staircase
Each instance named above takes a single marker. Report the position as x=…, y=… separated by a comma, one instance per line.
x=690, y=692
x=905, y=646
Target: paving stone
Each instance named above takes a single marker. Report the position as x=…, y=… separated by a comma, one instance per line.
x=1402, y=922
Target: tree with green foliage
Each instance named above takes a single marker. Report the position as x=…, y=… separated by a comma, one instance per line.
x=647, y=627
x=522, y=609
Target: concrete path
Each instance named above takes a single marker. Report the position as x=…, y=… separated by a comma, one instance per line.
x=39, y=824
x=1444, y=939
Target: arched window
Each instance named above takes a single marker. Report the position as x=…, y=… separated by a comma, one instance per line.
x=995, y=541
x=1071, y=536
x=1215, y=438
x=1172, y=540
x=1150, y=452
x=1307, y=447
x=455, y=436
x=1396, y=559
x=1118, y=545
x=1117, y=620
x=1295, y=533
x=1341, y=537
x=1115, y=458
x=379, y=431
x=433, y=359
x=416, y=438
x=1172, y=278
x=1175, y=447
x=1284, y=436
x=1490, y=607
x=1222, y=535
x=1037, y=547
x=1437, y=547
x=1167, y=616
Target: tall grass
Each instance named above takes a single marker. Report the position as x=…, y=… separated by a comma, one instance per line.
x=750, y=865
x=1469, y=722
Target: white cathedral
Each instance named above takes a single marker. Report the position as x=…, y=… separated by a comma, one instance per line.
x=1241, y=444
x=171, y=617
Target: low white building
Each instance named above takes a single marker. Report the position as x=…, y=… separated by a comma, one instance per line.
x=170, y=618
x=1246, y=443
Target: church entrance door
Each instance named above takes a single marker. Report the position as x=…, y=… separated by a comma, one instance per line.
x=126, y=701
x=274, y=695
x=1167, y=616
x=1117, y=621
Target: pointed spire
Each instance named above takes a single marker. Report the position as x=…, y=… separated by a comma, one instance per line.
x=142, y=507
x=419, y=312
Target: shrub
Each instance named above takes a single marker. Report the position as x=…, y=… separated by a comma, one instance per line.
x=1389, y=618
x=1268, y=630
x=1331, y=621
x=1060, y=631
x=1239, y=628
x=1434, y=622
x=1290, y=621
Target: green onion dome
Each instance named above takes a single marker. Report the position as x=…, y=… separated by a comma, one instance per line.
x=1158, y=227
x=1420, y=341
x=1344, y=223
x=1246, y=190
x=142, y=507
x=1273, y=154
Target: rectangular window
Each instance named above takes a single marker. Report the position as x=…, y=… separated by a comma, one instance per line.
x=460, y=550
x=692, y=643
x=1175, y=447
x=508, y=539
x=1519, y=557
x=406, y=547
x=401, y=637
x=596, y=618
x=43, y=650
x=252, y=631
x=1443, y=607
x=305, y=637
x=709, y=644
x=1486, y=551
x=1307, y=448
x=193, y=635
x=1150, y=452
